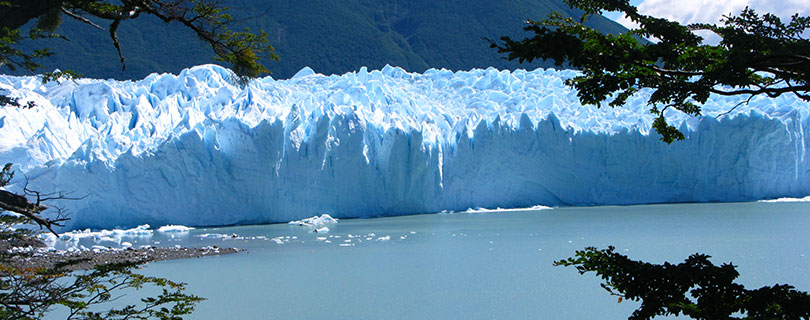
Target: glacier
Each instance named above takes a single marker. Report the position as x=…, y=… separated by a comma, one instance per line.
x=193, y=149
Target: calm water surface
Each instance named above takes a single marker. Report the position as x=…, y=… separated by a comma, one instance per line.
x=493, y=265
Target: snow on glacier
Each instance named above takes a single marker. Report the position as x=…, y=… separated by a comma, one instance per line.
x=192, y=149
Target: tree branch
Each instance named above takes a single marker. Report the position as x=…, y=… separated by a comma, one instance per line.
x=19, y=204
x=80, y=18
x=773, y=92
x=114, y=36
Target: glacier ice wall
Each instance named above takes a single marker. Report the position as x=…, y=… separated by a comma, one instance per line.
x=192, y=149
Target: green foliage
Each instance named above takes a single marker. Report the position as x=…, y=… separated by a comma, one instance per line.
x=30, y=293
x=208, y=19
x=58, y=76
x=696, y=288
x=27, y=293
x=9, y=220
x=13, y=57
x=6, y=174
x=757, y=55
x=211, y=21
x=243, y=57
x=50, y=21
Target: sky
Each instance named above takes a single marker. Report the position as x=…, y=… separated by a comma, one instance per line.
x=711, y=11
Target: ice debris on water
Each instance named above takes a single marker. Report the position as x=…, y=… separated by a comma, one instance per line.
x=114, y=236
x=219, y=236
x=283, y=239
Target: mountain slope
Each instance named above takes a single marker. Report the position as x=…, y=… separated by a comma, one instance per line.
x=329, y=36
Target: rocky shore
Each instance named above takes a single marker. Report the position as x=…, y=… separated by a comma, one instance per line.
x=39, y=257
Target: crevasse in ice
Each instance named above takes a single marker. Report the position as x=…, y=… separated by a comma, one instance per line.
x=192, y=149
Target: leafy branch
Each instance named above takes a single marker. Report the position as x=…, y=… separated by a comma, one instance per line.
x=28, y=292
x=757, y=55
x=696, y=288
x=209, y=19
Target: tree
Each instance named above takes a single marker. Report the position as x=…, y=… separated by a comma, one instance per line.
x=207, y=18
x=30, y=292
x=757, y=55
x=662, y=289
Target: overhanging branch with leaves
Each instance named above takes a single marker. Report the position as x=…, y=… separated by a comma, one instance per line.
x=209, y=19
x=757, y=55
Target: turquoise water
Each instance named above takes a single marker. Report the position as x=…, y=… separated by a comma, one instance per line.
x=493, y=265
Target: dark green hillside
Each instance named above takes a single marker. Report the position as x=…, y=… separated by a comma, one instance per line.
x=331, y=36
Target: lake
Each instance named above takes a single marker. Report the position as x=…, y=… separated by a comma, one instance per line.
x=485, y=265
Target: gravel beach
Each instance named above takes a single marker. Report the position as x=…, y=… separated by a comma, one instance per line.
x=44, y=259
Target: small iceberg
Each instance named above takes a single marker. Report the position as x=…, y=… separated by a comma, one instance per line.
x=499, y=209
x=174, y=228
x=805, y=199
x=315, y=221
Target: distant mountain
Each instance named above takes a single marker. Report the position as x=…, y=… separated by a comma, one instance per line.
x=331, y=36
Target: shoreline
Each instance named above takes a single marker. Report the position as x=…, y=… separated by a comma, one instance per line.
x=87, y=259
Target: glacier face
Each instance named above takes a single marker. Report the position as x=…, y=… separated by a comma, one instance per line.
x=192, y=149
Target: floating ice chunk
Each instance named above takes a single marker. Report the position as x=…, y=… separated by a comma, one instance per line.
x=532, y=208
x=805, y=199
x=101, y=238
x=212, y=235
x=321, y=230
x=315, y=221
x=141, y=230
x=174, y=228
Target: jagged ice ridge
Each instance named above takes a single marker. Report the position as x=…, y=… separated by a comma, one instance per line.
x=192, y=149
